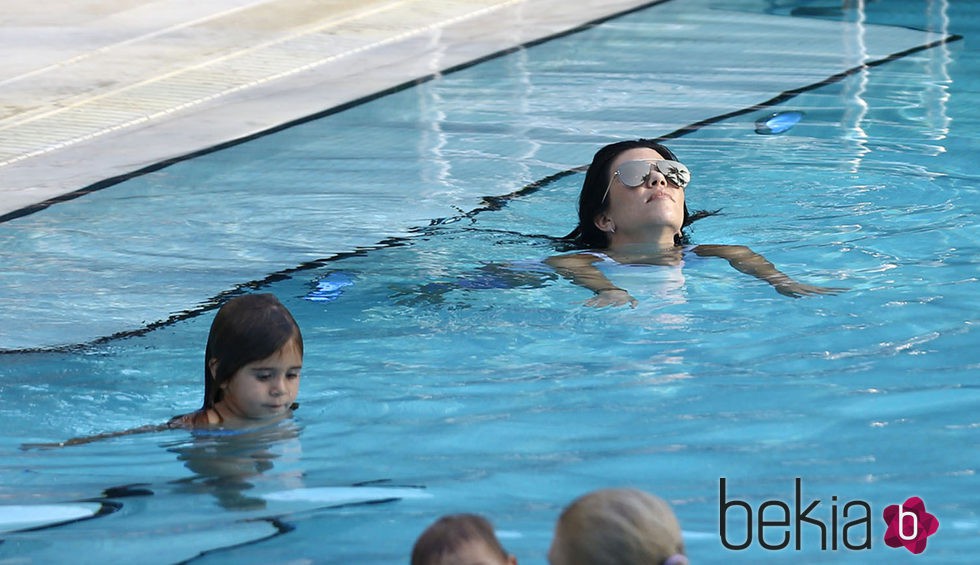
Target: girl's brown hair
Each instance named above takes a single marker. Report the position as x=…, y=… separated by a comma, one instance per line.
x=447, y=534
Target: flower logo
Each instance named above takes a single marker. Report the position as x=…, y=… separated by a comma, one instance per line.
x=909, y=525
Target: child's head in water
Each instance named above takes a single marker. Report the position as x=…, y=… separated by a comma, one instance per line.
x=252, y=361
x=460, y=539
x=625, y=526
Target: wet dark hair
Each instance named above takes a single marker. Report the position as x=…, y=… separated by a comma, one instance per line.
x=591, y=201
x=246, y=329
x=449, y=533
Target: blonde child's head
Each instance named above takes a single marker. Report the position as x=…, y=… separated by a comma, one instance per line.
x=618, y=525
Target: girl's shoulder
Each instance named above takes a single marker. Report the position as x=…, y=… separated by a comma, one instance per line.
x=194, y=420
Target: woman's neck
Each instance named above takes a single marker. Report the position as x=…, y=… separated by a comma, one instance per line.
x=646, y=254
x=651, y=239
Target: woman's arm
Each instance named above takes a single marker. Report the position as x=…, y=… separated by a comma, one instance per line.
x=751, y=263
x=581, y=270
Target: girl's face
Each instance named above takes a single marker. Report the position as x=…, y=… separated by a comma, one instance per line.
x=263, y=389
x=656, y=205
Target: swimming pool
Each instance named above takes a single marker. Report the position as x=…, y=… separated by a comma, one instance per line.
x=511, y=401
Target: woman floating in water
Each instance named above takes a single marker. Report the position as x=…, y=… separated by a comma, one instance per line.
x=632, y=211
x=252, y=365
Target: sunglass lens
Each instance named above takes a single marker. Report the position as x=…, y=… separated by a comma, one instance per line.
x=633, y=173
x=675, y=172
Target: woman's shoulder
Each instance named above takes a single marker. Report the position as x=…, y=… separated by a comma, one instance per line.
x=580, y=257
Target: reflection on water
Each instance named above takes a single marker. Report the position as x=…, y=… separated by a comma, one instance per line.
x=227, y=463
x=935, y=92
x=855, y=105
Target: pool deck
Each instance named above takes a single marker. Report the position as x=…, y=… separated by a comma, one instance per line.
x=91, y=91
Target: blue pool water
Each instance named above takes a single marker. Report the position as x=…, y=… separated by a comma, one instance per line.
x=425, y=376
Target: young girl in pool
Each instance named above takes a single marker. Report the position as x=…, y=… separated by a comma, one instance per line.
x=252, y=365
x=632, y=211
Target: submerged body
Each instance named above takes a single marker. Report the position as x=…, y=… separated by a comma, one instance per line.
x=583, y=269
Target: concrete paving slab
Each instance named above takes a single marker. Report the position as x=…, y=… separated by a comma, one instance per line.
x=94, y=90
